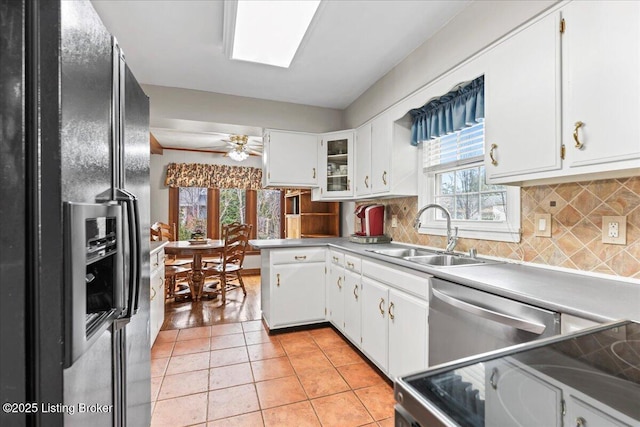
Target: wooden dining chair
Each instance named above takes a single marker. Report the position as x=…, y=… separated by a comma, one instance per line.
x=175, y=270
x=229, y=272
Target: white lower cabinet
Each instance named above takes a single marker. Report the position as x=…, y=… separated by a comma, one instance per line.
x=408, y=332
x=375, y=327
x=514, y=396
x=394, y=328
x=156, y=303
x=581, y=413
x=335, y=294
x=293, y=286
x=518, y=394
x=352, y=306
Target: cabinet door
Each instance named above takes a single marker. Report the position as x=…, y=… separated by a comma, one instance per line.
x=336, y=164
x=522, y=103
x=363, y=160
x=514, y=396
x=352, y=293
x=580, y=413
x=374, y=328
x=335, y=295
x=290, y=159
x=381, y=152
x=408, y=334
x=601, y=67
x=156, y=303
x=297, y=293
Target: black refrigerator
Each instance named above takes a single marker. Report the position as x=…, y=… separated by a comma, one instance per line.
x=74, y=222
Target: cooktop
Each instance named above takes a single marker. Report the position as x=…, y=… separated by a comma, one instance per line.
x=590, y=376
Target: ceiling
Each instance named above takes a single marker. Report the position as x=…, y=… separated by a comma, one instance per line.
x=348, y=47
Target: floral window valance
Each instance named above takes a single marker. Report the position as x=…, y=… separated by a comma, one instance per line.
x=213, y=176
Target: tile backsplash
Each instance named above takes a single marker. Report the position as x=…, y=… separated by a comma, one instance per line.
x=576, y=240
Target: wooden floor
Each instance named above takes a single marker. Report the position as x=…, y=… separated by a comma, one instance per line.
x=239, y=308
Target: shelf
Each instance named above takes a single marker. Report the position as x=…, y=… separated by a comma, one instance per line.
x=318, y=214
x=337, y=156
x=317, y=235
x=337, y=176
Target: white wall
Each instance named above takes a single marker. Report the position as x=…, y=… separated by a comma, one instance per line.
x=185, y=104
x=473, y=29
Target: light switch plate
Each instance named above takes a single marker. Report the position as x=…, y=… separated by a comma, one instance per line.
x=609, y=230
x=542, y=226
x=394, y=221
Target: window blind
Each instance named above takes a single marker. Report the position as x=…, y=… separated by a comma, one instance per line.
x=458, y=148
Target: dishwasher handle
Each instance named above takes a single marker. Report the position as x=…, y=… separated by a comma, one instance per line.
x=486, y=313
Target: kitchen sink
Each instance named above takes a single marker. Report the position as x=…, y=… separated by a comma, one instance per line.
x=444, y=260
x=403, y=252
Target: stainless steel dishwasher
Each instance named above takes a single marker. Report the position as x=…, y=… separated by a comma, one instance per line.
x=464, y=321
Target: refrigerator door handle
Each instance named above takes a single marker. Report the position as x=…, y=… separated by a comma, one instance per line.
x=135, y=255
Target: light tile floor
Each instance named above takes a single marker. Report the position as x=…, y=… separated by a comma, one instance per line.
x=238, y=375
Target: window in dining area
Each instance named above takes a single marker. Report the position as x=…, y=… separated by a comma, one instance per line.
x=207, y=210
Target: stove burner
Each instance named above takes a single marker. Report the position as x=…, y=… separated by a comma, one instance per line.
x=628, y=352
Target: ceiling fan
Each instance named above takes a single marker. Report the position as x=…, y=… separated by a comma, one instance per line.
x=241, y=146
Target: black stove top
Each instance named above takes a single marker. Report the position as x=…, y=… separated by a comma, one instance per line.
x=586, y=375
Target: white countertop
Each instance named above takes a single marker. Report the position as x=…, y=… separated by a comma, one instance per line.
x=596, y=298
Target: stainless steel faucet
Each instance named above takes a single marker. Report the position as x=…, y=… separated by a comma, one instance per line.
x=452, y=238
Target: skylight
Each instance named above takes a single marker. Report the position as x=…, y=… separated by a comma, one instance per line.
x=270, y=32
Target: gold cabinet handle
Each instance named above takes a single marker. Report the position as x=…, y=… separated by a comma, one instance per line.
x=154, y=293
x=384, y=177
x=340, y=282
x=278, y=277
x=350, y=264
x=314, y=173
x=391, y=316
x=366, y=181
x=380, y=306
x=494, y=162
x=579, y=144
x=580, y=422
x=300, y=257
x=335, y=258
x=355, y=294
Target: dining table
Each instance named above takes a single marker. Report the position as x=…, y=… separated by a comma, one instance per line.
x=196, y=249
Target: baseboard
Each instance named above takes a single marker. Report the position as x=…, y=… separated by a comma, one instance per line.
x=250, y=271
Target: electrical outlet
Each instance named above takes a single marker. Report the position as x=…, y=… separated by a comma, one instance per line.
x=542, y=225
x=614, y=230
x=394, y=221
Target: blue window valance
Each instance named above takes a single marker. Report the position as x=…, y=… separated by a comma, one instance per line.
x=462, y=107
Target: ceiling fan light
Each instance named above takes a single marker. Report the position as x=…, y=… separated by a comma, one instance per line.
x=238, y=155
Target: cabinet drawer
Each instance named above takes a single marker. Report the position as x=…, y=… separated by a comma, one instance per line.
x=336, y=257
x=292, y=256
x=353, y=263
x=416, y=284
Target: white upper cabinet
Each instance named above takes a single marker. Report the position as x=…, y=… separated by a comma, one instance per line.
x=336, y=160
x=522, y=103
x=381, y=153
x=363, y=163
x=562, y=97
x=601, y=66
x=386, y=162
x=290, y=159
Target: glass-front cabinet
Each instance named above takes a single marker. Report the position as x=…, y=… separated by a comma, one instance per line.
x=335, y=166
